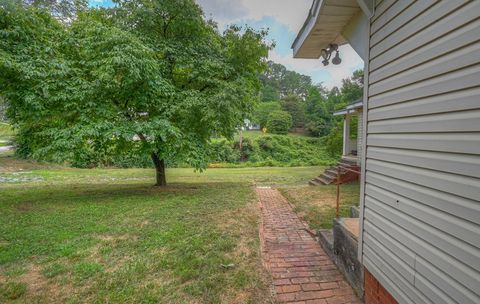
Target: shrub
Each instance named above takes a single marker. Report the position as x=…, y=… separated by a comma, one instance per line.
x=279, y=122
x=334, y=142
x=269, y=150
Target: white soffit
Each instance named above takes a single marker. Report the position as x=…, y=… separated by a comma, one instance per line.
x=324, y=25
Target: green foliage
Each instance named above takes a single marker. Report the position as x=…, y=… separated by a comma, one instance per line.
x=279, y=122
x=318, y=117
x=85, y=270
x=263, y=109
x=6, y=130
x=223, y=151
x=270, y=150
x=269, y=93
x=278, y=82
x=295, y=106
x=352, y=88
x=156, y=70
x=54, y=270
x=310, y=105
x=334, y=141
x=3, y=110
x=12, y=290
x=64, y=10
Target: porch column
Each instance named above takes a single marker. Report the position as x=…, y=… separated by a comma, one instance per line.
x=346, y=135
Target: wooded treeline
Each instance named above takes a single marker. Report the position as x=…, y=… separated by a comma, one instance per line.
x=310, y=105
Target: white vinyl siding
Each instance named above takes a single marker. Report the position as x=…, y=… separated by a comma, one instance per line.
x=360, y=136
x=421, y=218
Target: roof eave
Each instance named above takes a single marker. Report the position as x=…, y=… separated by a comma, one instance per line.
x=323, y=26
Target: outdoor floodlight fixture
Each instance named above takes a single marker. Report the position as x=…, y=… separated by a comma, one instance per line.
x=327, y=54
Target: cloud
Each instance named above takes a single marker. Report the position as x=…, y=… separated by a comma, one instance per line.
x=223, y=11
x=284, y=18
x=292, y=13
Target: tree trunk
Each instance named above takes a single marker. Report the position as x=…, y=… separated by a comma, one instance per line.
x=160, y=170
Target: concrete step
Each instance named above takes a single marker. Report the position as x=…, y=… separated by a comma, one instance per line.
x=345, y=247
x=324, y=180
x=325, y=238
x=313, y=182
x=332, y=171
x=354, y=212
x=348, y=162
x=329, y=175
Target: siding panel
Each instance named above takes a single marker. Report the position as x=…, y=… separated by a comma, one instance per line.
x=463, y=57
x=468, y=165
x=389, y=14
x=452, y=204
x=449, y=102
x=460, y=272
x=445, y=282
x=459, y=228
x=453, y=81
x=425, y=19
x=416, y=8
x=421, y=191
x=466, y=121
x=446, y=243
x=445, y=44
x=457, y=18
x=451, y=183
x=468, y=143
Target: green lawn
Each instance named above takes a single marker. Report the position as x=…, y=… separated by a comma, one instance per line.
x=107, y=235
x=6, y=130
x=6, y=134
x=317, y=205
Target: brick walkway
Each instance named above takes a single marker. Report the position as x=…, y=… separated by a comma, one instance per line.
x=302, y=272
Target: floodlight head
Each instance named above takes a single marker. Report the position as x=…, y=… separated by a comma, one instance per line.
x=336, y=60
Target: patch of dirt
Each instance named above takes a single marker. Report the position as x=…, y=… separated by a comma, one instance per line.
x=9, y=163
x=25, y=206
x=144, y=223
x=30, y=207
x=39, y=287
x=116, y=238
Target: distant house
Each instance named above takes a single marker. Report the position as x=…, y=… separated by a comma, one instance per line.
x=419, y=239
x=250, y=125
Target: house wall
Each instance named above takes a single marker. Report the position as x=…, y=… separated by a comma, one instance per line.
x=421, y=184
x=357, y=35
x=360, y=135
x=375, y=293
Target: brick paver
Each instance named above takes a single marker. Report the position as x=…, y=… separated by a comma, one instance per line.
x=302, y=272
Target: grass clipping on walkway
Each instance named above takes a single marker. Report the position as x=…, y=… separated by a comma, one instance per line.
x=130, y=243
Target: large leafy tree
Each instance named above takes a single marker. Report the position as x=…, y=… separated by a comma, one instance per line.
x=296, y=107
x=149, y=77
x=278, y=82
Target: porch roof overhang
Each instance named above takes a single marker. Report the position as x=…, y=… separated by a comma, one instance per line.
x=351, y=108
x=325, y=23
